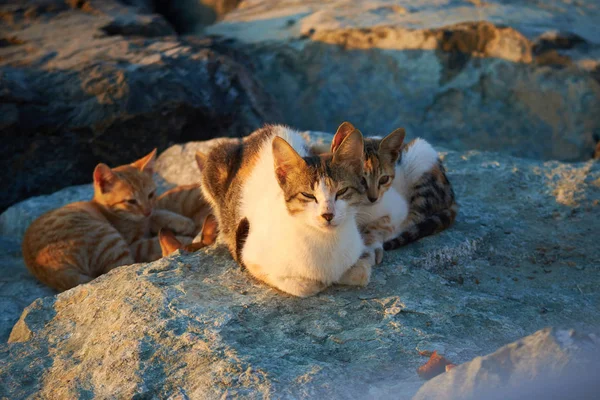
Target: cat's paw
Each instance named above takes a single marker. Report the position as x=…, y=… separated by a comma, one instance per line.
x=378, y=254
x=358, y=275
x=185, y=227
x=300, y=287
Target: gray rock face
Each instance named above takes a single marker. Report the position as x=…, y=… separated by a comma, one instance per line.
x=522, y=256
x=549, y=363
x=427, y=66
x=95, y=81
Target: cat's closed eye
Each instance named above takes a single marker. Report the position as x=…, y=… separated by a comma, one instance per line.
x=151, y=195
x=309, y=196
x=384, y=179
x=132, y=201
x=341, y=192
x=364, y=183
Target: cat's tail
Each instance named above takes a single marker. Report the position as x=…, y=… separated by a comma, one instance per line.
x=430, y=225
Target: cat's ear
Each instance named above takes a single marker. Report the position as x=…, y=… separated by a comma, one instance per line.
x=168, y=242
x=391, y=145
x=209, y=230
x=286, y=159
x=342, y=133
x=146, y=163
x=200, y=160
x=351, y=152
x=104, y=178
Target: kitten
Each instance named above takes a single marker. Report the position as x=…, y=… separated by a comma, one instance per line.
x=169, y=242
x=287, y=217
x=415, y=173
x=81, y=241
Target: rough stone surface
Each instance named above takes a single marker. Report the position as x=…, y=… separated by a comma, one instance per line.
x=522, y=256
x=488, y=75
x=530, y=365
x=83, y=82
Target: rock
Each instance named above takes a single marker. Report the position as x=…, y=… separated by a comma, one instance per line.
x=108, y=85
x=530, y=365
x=430, y=68
x=197, y=326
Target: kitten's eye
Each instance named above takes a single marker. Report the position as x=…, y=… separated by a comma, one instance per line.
x=364, y=182
x=341, y=192
x=384, y=179
x=308, y=196
x=151, y=195
x=132, y=201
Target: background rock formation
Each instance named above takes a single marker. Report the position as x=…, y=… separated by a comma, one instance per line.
x=95, y=81
x=520, y=257
x=489, y=75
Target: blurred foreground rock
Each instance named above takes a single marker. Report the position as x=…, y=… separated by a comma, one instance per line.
x=551, y=363
x=521, y=77
x=522, y=256
x=83, y=82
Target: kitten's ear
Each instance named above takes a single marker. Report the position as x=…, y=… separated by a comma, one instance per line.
x=342, y=133
x=351, y=152
x=146, y=163
x=200, y=160
x=209, y=230
x=391, y=145
x=286, y=159
x=168, y=242
x=104, y=178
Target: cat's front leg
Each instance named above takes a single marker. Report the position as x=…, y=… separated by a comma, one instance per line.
x=374, y=234
x=176, y=222
x=148, y=249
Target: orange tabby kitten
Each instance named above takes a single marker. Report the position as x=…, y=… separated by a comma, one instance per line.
x=170, y=244
x=81, y=241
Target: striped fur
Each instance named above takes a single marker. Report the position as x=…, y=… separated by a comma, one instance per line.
x=169, y=243
x=432, y=207
x=81, y=241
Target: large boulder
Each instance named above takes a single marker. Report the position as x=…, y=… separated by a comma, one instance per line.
x=520, y=257
x=83, y=82
x=465, y=74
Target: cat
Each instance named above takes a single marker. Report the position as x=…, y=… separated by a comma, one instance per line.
x=418, y=179
x=81, y=241
x=287, y=217
x=170, y=244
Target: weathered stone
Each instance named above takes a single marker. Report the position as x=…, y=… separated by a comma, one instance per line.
x=430, y=68
x=520, y=257
x=107, y=86
x=530, y=365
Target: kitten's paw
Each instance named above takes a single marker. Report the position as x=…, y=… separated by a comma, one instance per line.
x=358, y=275
x=186, y=227
x=379, y=255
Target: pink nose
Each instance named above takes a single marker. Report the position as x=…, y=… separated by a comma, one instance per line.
x=147, y=213
x=327, y=216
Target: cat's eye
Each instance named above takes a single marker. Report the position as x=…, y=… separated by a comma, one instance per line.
x=308, y=196
x=132, y=201
x=341, y=192
x=151, y=195
x=384, y=179
x=364, y=182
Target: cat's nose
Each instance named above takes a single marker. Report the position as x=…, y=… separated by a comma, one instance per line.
x=372, y=199
x=327, y=216
x=147, y=212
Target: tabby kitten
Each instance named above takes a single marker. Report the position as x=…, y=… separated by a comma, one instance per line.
x=287, y=217
x=417, y=175
x=81, y=241
x=169, y=242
